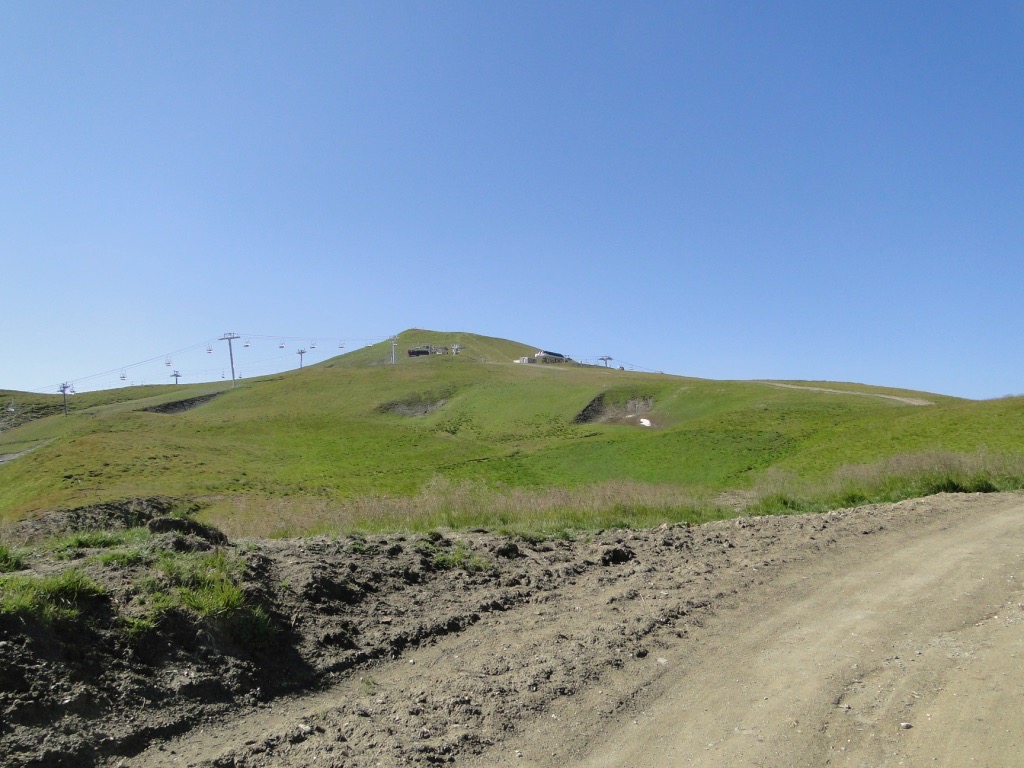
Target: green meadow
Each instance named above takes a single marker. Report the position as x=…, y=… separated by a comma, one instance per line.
x=467, y=440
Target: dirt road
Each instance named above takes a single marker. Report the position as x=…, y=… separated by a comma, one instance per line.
x=772, y=642
x=885, y=635
x=904, y=649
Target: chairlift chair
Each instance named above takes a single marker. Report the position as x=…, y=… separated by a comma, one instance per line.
x=124, y=375
x=247, y=343
x=167, y=362
x=312, y=344
x=281, y=345
x=209, y=350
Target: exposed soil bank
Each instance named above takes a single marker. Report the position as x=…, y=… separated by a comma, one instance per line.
x=600, y=409
x=758, y=641
x=180, y=406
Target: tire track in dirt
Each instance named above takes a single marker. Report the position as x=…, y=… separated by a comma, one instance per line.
x=896, y=398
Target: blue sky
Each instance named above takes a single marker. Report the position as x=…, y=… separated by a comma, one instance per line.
x=797, y=190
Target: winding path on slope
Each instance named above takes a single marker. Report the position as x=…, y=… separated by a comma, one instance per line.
x=896, y=398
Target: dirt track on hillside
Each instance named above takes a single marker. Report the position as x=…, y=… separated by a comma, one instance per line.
x=895, y=398
x=807, y=640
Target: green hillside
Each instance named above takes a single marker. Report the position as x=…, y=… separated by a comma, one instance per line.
x=355, y=431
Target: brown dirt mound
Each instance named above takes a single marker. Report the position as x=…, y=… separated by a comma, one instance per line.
x=114, y=515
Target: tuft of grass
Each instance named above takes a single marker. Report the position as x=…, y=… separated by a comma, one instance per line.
x=461, y=556
x=123, y=558
x=48, y=598
x=71, y=546
x=186, y=510
x=10, y=559
x=209, y=586
x=136, y=627
x=204, y=582
x=215, y=599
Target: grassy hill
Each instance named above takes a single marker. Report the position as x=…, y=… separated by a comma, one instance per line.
x=474, y=438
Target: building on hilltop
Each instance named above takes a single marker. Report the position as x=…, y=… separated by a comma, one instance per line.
x=543, y=356
x=430, y=349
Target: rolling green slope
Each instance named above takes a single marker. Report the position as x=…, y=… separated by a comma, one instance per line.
x=356, y=427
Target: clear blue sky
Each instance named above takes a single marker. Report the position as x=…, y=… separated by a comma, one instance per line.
x=797, y=190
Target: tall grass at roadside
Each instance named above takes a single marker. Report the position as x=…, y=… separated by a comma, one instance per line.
x=899, y=477
x=468, y=504
x=445, y=503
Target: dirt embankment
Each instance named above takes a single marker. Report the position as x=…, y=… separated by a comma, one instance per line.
x=605, y=410
x=772, y=641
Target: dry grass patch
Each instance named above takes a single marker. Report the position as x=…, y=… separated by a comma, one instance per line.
x=444, y=503
x=899, y=477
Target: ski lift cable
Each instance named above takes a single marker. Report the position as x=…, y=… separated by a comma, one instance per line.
x=249, y=364
x=636, y=367
x=317, y=337
x=209, y=345
x=118, y=369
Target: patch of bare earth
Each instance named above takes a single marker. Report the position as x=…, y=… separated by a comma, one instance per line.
x=804, y=640
x=599, y=410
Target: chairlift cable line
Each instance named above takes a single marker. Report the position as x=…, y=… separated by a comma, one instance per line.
x=637, y=367
x=118, y=369
x=343, y=342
